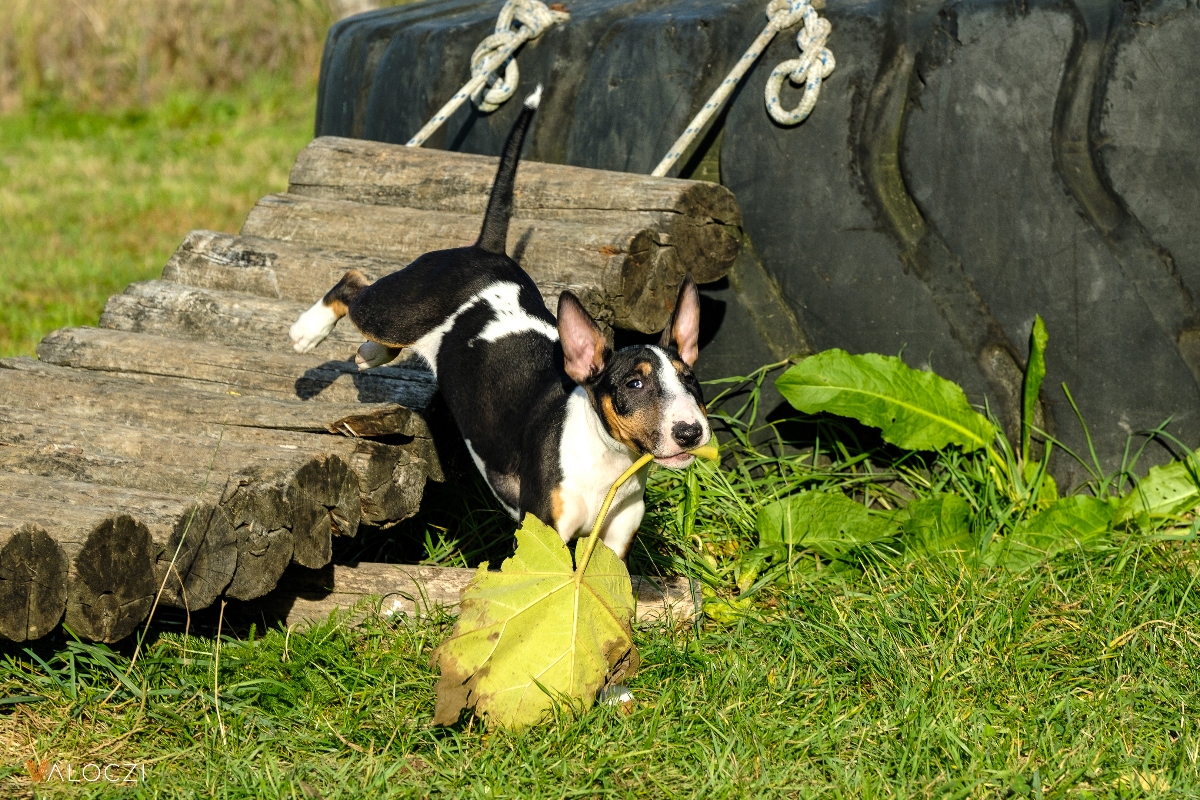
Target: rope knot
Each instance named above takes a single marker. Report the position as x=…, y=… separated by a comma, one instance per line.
x=534, y=17
x=815, y=63
x=783, y=14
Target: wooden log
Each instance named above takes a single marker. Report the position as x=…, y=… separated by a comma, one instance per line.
x=304, y=503
x=323, y=493
x=437, y=180
x=110, y=582
x=229, y=318
x=265, y=543
x=277, y=269
x=33, y=581
x=265, y=267
x=194, y=554
x=286, y=495
x=168, y=313
x=626, y=276
x=701, y=219
x=193, y=457
x=35, y=385
x=306, y=596
x=282, y=375
x=256, y=523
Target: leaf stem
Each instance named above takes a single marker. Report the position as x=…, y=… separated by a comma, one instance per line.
x=582, y=562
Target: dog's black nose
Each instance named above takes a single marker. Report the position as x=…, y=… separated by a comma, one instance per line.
x=687, y=434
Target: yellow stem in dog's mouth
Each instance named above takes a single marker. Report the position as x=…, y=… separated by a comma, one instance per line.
x=706, y=451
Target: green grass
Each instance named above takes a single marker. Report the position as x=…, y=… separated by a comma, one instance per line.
x=919, y=681
x=93, y=201
x=887, y=677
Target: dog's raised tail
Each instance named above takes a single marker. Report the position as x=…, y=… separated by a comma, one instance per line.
x=494, y=236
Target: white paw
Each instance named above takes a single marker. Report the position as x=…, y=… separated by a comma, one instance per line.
x=312, y=327
x=373, y=354
x=615, y=695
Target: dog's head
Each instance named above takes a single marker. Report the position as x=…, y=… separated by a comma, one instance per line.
x=646, y=396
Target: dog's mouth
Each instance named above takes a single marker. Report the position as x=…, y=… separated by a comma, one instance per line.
x=678, y=461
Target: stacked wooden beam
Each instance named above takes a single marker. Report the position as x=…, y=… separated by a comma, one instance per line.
x=182, y=451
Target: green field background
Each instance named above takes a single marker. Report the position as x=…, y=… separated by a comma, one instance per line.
x=124, y=124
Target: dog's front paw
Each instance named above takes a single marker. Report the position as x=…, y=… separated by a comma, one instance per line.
x=312, y=327
x=616, y=695
x=373, y=354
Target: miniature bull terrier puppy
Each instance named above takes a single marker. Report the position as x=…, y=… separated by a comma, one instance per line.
x=550, y=414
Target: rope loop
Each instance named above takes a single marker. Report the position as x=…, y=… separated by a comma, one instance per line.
x=493, y=53
x=783, y=14
x=534, y=17
x=815, y=63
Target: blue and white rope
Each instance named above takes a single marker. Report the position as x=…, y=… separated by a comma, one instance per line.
x=781, y=14
x=485, y=89
x=813, y=66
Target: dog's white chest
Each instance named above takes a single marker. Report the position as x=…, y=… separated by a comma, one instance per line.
x=591, y=461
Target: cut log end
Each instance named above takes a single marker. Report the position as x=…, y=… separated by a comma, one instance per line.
x=199, y=559
x=33, y=580
x=112, y=586
x=324, y=502
x=264, y=536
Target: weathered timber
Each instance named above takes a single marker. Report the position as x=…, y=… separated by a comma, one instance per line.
x=286, y=376
x=110, y=585
x=123, y=545
x=324, y=500
x=367, y=171
x=306, y=596
x=265, y=543
x=266, y=267
x=311, y=498
x=286, y=494
x=627, y=276
x=194, y=556
x=33, y=581
x=220, y=317
x=190, y=458
x=702, y=219
x=122, y=400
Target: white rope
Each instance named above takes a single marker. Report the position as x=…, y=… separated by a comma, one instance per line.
x=781, y=14
x=813, y=66
x=485, y=89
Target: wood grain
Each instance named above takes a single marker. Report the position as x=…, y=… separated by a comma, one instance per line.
x=307, y=596
x=626, y=276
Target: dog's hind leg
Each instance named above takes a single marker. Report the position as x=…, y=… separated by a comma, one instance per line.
x=374, y=354
x=315, y=324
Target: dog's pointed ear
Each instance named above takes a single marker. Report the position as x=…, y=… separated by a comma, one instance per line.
x=683, y=331
x=584, y=348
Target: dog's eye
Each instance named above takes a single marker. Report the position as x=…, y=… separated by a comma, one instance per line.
x=634, y=384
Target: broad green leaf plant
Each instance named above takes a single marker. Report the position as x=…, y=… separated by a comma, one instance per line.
x=921, y=411
x=912, y=409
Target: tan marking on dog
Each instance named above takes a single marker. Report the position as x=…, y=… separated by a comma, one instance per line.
x=393, y=345
x=626, y=429
x=352, y=278
x=556, y=506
